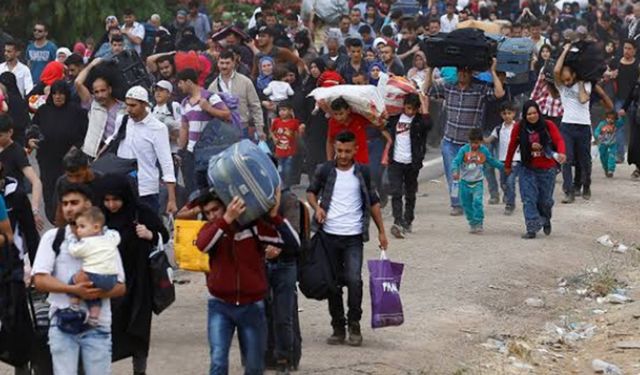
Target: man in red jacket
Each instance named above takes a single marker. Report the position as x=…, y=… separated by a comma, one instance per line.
x=237, y=281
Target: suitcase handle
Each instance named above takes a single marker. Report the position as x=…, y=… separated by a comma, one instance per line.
x=453, y=50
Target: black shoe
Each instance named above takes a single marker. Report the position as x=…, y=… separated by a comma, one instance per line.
x=529, y=236
x=547, y=229
x=338, y=336
x=609, y=174
x=569, y=198
x=355, y=337
x=586, y=194
x=508, y=210
x=494, y=200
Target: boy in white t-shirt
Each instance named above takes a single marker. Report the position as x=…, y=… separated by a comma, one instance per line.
x=98, y=250
x=502, y=135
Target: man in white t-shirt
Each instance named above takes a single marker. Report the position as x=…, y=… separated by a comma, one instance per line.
x=344, y=200
x=575, y=128
x=133, y=31
x=449, y=20
x=53, y=267
x=11, y=64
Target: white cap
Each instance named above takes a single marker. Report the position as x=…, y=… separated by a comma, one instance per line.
x=138, y=93
x=164, y=84
x=66, y=51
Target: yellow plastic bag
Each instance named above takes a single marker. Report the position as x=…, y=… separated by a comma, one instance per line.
x=188, y=257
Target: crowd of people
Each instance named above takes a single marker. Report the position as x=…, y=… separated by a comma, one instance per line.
x=112, y=161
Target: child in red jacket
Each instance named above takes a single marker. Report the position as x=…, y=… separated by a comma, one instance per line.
x=237, y=281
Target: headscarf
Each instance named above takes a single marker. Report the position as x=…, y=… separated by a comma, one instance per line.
x=18, y=107
x=52, y=72
x=263, y=80
x=124, y=219
x=79, y=48
x=379, y=65
x=65, y=51
x=62, y=87
x=527, y=128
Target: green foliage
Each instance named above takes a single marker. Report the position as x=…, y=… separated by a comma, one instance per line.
x=70, y=20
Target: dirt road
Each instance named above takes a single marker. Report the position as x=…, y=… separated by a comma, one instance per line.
x=458, y=289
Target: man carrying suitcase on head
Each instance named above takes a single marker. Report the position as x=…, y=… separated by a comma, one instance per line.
x=237, y=282
x=465, y=103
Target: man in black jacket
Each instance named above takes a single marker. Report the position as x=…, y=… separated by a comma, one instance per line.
x=347, y=202
x=409, y=133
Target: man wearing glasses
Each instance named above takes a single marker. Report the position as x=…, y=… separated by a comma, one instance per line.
x=40, y=51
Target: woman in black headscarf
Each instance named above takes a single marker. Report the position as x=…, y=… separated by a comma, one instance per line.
x=18, y=107
x=189, y=41
x=541, y=148
x=317, y=125
x=62, y=125
x=139, y=228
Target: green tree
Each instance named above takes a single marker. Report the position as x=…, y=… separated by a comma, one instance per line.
x=70, y=20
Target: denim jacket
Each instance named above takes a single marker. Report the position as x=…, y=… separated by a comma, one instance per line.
x=325, y=180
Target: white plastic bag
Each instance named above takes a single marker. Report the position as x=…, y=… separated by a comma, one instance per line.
x=364, y=100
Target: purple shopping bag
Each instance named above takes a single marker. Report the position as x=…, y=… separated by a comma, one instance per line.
x=384, y=284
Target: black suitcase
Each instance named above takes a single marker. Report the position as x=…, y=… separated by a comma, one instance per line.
x=123, y=71
x=296, y=355
x=462, y=48
x=132, y=69
x=587, y=60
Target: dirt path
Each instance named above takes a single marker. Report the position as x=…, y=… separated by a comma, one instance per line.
x=458, y=289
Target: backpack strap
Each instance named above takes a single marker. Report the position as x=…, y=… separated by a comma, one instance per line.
x=112, y=147
x=58, y=239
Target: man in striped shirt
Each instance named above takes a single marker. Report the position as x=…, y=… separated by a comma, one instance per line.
x=198, y=108
x=464, y=106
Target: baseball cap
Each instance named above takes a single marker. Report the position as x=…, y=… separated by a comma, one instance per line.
x=267, y=30
x=164, y=84
x=138, y=93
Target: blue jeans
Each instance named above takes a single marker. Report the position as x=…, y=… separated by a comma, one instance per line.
x=376, y=149
x=282, y=281
x=621, y=138
x=93, y=346
x=347, y=255
x=449, y=152
x=490, y=172
x=508, y=184
x=223, y=319
x=100, y=281
x=536, y=191
x=285, y=167
x=577, y=139
x=471, y=197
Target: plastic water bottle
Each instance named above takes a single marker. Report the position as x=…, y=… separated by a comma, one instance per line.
x=556, y=157
x=455, y=189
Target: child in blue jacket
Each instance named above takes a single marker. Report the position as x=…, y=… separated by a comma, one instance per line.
x=468, y=169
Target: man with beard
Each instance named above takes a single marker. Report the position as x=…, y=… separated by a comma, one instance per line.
x=103, y=109
x=264, y=47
